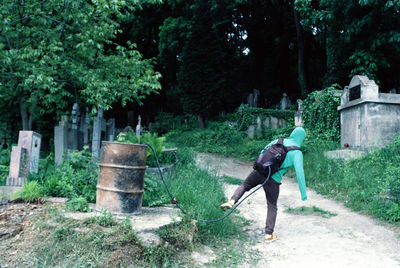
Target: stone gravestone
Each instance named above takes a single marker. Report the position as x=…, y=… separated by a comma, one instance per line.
x=84, y=128
x=60, y=140
x=285, y=102
x=138, y=127
x=298, y=119
x=259, y=128
x=250, y=132
x=252, y=98
x=24, y=160
x=102, y=130
x=368, y=119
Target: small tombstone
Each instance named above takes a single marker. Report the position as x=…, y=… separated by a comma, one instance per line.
x=274, y=122
x=99, y=127
x=250, y=100
x=285, y=102
x=298, y=118
x=250, y=132
x=84, y=127
x=281, y=123
x=258, y=128
x=73, y=132
x=299, y=105
x=138, y=127
x=256, y=94
x=60, y=142
x=267, y=122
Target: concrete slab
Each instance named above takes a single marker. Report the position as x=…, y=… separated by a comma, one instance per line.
x=344, y=154
x=6, y=192
x=146, y=224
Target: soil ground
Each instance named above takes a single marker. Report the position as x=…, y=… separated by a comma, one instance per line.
x=349, y=239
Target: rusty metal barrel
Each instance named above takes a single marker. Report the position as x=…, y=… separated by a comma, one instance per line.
x=121, y=177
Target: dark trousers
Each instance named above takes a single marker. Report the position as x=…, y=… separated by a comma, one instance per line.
x=271, y=189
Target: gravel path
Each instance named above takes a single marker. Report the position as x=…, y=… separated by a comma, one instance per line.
x=349, y=239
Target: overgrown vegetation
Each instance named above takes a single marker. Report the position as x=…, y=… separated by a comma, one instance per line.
x=75, y=177
x=320, y=114
x=5, y=155
x=228, y=135
x=370, y=184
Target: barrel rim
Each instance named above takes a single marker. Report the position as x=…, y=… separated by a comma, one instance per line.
x=125, y=143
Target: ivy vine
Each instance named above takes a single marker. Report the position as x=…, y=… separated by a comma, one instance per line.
x=320, y=114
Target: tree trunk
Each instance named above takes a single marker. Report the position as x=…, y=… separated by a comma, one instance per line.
x=301, y=59
x=331, y=75
x=26, y=119
x=201, y=121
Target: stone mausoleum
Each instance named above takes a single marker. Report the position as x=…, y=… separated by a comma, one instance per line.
x=368, y=119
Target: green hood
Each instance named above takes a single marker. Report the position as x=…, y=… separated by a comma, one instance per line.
x=297, y=136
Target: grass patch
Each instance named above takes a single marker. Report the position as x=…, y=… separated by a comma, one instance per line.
x=310, y=211
x=369, y=184
x=232, y=180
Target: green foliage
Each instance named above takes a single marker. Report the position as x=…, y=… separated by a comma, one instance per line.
x=165, y=122
x=78, y=204
x=154, y=191
x=320, y=114
x=105, y=219
x=369, y=184
x=58, y=52
x=77, y=176
x=369, y=34
x=225, y=139
x=5, y=155
x=148, y=138
x=31, y=192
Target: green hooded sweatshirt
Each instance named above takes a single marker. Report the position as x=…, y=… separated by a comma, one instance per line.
x=294, y=158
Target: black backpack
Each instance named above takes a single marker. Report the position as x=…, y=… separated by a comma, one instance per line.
x=272, y=157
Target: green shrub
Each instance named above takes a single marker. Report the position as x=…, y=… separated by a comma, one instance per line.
x=320, y=114
x=5, y=155
x=154, y=191
x=166, y=122
x=369, y=184
x=78, y=204
x=76, y=176
x=31, y=192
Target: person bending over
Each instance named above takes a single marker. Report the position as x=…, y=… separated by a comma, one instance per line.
x=294, y=158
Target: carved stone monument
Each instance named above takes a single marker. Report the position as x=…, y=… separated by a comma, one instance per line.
x=368, y=119
x=298, y=118
x=24, y=160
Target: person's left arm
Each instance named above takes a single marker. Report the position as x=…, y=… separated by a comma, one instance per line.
x=298, y=167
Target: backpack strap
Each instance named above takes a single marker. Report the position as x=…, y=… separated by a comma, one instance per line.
x=280, y=141
x=287, y=148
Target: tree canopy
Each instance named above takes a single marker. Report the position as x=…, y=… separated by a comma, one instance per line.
x=201, y=57
x=55, y=52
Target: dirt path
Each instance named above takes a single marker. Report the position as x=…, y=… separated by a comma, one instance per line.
x=349, y=239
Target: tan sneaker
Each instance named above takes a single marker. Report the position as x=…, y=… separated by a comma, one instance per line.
x=227, y=205
x=270, y=238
